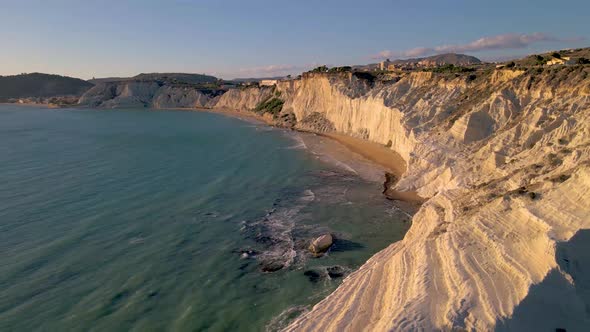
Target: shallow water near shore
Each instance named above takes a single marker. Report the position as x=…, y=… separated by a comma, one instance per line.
x=154, y=220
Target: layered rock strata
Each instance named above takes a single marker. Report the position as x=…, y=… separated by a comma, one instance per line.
x=503, y=160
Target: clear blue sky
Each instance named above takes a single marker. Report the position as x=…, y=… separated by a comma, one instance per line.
x=239, y=38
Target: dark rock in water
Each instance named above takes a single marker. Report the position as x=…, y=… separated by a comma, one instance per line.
x=271, y=265
x=336, y=271
x=321, y=244
x=322, y=273
x=390, y=181
x=313, y=275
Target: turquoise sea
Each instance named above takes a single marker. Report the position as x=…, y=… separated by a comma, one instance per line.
x=143, y=220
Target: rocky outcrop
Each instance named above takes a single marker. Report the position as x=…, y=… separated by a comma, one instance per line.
x=152, y=94
x=321, y=244
x=245, y=99
x=120, y=94
x=316, y=122
x=184, y=97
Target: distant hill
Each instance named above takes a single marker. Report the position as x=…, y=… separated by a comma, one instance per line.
x=255, y=79
x=581, y=55
x=435, y=60
x=444, y=59
x=162, y=77
x=41, y=85
x=108, y=79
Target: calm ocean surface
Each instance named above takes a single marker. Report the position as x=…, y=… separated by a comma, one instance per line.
x=142, y=220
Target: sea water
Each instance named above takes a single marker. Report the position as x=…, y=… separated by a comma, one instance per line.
x=118, y=220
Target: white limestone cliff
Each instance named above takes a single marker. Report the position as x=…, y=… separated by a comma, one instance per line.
x=146, y=94
x=503, y=158
x=244, y=99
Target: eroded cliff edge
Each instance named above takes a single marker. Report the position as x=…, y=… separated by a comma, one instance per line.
x=503, y=157
x=149, y=93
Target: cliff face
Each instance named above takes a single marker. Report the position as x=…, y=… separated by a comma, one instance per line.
x=244, y=99
x=147, y=94
x=503, y=158
x=183, y=97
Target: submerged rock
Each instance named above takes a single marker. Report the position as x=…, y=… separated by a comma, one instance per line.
x=321, y=244
x=336, y=271
x=271, y=265
x=325, y=273
x=313, y=275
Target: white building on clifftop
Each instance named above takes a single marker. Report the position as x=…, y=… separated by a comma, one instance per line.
x=384, y=65
x=268, y=82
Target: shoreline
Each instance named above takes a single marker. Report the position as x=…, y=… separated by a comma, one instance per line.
x=243, y=115
x=51, y=106
x=385, y=157
x=395, y=166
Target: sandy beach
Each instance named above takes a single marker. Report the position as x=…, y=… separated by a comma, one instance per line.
x=383, y=156
x=375, y=152
x=367, y=159
x=244, y=115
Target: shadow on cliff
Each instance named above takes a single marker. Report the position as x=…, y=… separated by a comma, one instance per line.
x=556, y=304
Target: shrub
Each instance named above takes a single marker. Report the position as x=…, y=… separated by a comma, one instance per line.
x=554, y=160
x=540, y=60
x=272, y=105
x=560, y=178
x=368, y=76
x=340, y=69
x=583, y=61
x=320, y=69
x=450, y=68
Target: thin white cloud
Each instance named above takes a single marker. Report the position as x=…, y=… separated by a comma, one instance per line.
x=499, y=42
x=272, y=70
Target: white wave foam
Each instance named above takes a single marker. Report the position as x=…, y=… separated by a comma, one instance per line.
x=300, y=143
x=308, y=196
x=281, y=321
x=345, y=166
